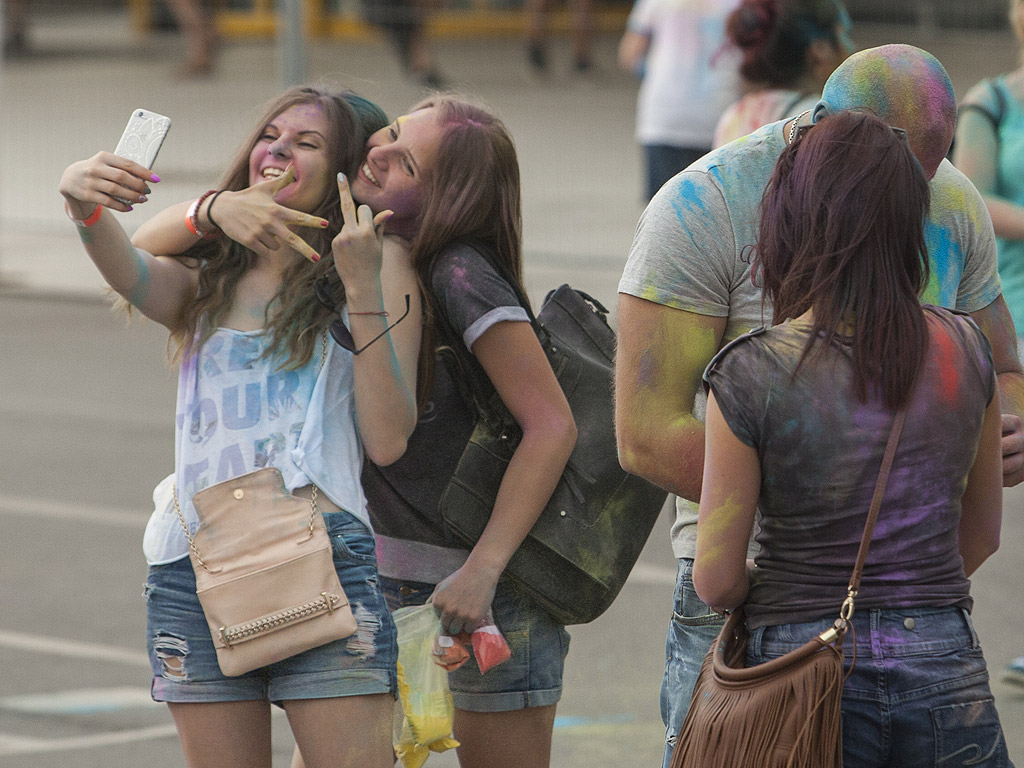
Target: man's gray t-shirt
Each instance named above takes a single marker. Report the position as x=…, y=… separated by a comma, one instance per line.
x=694, y=244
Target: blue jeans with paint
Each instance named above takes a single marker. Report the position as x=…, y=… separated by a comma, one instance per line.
x=531, y=678
x=691, y=632
x=184, y=660
x=918, y=696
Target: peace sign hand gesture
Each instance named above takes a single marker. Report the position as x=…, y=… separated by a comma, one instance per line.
x=358, y=246
x=252, y=218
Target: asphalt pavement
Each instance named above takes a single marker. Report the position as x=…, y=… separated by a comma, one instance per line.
x=86, y=404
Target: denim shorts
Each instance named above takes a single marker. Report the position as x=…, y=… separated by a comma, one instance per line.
x=531, y=678
x=184, y=660
x=691, y=631
x=919, y=693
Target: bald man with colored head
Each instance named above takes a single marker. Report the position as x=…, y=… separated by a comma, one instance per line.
x=905, y=86
x=687, y=290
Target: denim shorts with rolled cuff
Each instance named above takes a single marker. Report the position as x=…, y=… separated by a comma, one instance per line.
x=184, y=660
x=531, y=678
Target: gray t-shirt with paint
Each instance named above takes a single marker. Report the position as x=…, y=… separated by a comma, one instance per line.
x=694, y=242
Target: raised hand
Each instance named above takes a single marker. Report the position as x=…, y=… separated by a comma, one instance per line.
x=251, y=217
x=102, y=179
x=357, y=247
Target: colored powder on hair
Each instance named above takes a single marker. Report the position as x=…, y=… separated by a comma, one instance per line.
x=907, y=87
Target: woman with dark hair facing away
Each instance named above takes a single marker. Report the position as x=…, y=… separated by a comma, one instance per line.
x=797, y=422
x=449, y=173
x=261, y=385
x=789, y=48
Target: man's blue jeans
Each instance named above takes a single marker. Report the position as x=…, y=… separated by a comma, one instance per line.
x=691, y=632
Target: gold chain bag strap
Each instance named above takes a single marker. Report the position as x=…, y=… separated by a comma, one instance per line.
x=265, y=573
x=784, y=713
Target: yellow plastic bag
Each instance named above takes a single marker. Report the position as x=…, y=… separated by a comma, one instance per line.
x=427, y=711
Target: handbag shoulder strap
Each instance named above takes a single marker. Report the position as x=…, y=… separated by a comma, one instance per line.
x=177, y=505
x=876, y=504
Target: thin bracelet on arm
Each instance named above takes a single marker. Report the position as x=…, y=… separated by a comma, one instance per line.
x=89, y=220
x=343, y=336
x=209, y=211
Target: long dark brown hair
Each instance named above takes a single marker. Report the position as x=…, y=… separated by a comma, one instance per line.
x=842, y=234
x=295, y=319
x=471, y=195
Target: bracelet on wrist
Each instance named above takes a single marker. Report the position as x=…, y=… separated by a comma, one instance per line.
x=209, y=211
x=89, y=220
x=192, y=217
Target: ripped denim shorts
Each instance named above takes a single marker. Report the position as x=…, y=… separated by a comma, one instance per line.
x=184, y=660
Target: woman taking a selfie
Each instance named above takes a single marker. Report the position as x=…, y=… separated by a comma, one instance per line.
x=261, y=385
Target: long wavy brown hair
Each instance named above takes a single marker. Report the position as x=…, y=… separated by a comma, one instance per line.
x=842, y=233
x=471, y=195
x=294, y=318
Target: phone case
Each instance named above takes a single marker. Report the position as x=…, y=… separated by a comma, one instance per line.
x=143, y=136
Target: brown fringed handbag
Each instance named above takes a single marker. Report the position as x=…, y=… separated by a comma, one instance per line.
x=784, y=713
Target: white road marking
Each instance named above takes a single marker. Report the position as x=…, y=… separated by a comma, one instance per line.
x=84, y=701
x=21, y=745
x=103, y=515
x=72, y=648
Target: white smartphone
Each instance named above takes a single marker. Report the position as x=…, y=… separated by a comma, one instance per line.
x=142, y=138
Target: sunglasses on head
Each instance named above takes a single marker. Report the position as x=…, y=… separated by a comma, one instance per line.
x=803, y=129
x=324, y=290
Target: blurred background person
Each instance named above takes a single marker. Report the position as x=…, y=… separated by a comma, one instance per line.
x=789, y=48
x=989, y=149
x=688, y=79
x=404, y=23
x=15, y=27
x=196, y=24
x=582, y=19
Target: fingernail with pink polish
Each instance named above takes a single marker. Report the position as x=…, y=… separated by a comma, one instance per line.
x=154, y=177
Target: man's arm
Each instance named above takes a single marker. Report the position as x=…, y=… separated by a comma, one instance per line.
x=661, y=356
x=995, y=322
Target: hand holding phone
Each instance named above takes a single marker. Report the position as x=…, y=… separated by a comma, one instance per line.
x=142, y=138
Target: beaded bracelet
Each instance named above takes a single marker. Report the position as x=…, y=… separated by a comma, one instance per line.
x=192, y=216
x=89, y=220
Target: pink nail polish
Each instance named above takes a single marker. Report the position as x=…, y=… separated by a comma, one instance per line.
x=323, y=224
x=154, y=177
x=316, y=258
